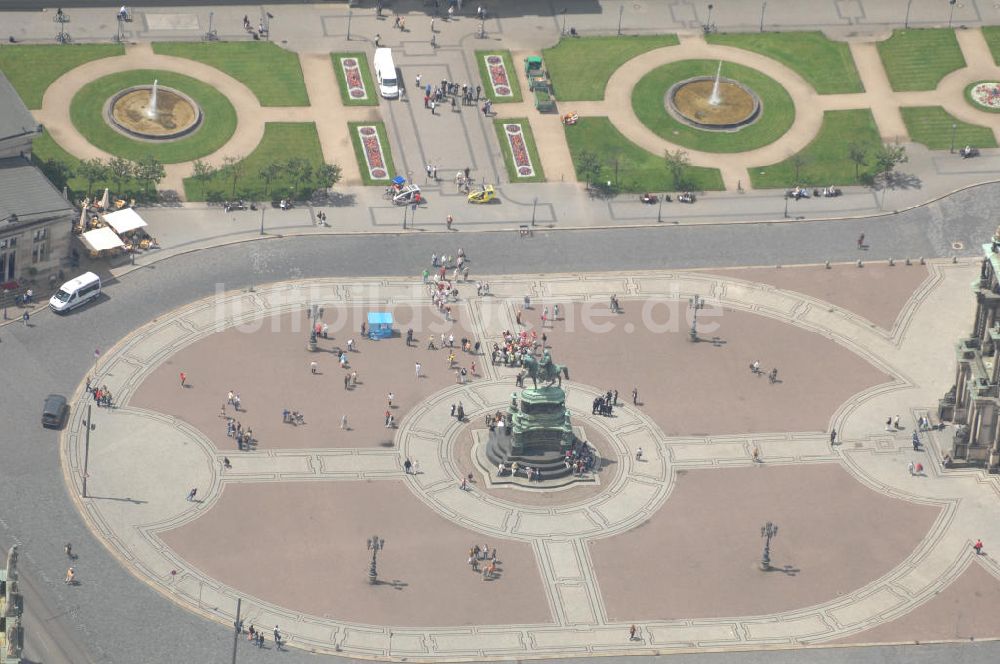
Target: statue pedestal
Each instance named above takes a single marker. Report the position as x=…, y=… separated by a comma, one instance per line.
x=489, y=449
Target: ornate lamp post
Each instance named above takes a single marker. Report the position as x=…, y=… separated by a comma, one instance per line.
x=695, y=303
x=62, y=18
x=767, y=531
x=375, y=544
x=951, y=14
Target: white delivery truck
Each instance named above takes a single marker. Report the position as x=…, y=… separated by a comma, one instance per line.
x=385, y=73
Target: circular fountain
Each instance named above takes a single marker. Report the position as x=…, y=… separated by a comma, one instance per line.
x=713, y=103
x=153, y=113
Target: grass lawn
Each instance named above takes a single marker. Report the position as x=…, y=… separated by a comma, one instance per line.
x=992, y=35
x=581, y=66
x=637, y=170
x=218, y=125
x=827, y=65
x=281, y=142
x=777, y=113
x=919, y=59
x=484, y=75
x=31, y=69
x=272, y=73
x=931, y=125
x=359, y=152
x=366, y=78
x=45, y=150
x=529, y=141
x=826, y=159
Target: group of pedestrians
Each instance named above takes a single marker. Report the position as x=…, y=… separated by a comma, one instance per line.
x=772, y=375
x=102, y=395
x=482, y=554
x=604, y=404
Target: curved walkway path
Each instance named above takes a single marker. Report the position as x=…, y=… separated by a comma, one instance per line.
x=183, y=457
x=326, y=109
x=809, y=105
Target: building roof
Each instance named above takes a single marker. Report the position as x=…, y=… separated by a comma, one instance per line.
x=27, y=193
x=15, y=118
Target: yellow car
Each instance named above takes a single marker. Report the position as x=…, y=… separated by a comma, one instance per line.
x=484, y=195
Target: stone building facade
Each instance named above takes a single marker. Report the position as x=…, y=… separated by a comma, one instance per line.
x=973, y=404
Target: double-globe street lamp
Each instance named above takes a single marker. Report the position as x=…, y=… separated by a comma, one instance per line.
x=375, y=544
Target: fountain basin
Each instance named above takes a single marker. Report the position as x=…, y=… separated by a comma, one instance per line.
x=176, y=115
x=690, y=102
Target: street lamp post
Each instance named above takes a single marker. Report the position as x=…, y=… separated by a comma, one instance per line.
x=768, y=531
x=906, y=21
x=62, y=18
x=262, y=208
x=404, y=216
x=786, y=205
x=413, y=215
x=763, y=8
x=954, y=126
x=563, y=30
x=659, y=209
x=375, y=544
x=534, y=204
x=708, y=23
x=951, y=14
x=86, y=451
x=621, y=10
x=350, y=15
x=237, y=626
x=695, y=304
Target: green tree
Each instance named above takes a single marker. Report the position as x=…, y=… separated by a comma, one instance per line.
x=799, y=160
x=149, y=170
x=92, y=170
x=121, y=170
x=888, y=157
x=589, y=167
x=677, y=163
x=859, y=155
x=58, y=172
x=298, y=170
x=203, y=171
x=268, y=174
x=329, y=175
x=234, y=169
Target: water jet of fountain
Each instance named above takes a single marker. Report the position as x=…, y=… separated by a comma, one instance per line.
x=714, y=99
x=152, y=112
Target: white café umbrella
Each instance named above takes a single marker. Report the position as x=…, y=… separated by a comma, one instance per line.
x=105, y=200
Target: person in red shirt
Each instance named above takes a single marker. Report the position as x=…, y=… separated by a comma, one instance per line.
x=978, y=546
x=183, y=378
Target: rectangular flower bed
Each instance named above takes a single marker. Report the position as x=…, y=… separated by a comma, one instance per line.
x=371, y=147
x=499, y=76
x=519, y=151
x=356, y=85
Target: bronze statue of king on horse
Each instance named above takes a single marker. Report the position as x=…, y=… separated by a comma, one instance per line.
x=544, y=370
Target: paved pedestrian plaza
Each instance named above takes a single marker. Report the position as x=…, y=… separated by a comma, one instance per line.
x=668, y=540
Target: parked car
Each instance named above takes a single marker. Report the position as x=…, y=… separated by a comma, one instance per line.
x=54, y=411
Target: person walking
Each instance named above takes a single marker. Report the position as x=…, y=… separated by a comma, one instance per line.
x=69, y=551
x=416, y=368
x=226, y=463
x=378, y=40
x=861, y=241
x=277, y=638
x=70, y=579
x=191, y=494
x=978, y=547
x=25, y=318
x=343, y=422
x=183, y=379
x=313, y=368
x=833, y=436
x=909, y=467
x=407, y=466
x=448, y=221
x=389, y=398
x=888, y=423
x=638, y=454
x=635, y=396
x=347, y=381
x=418, y=75
x=632, y=632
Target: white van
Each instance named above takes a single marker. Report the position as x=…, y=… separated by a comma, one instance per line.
x=75, y=292
x=385, y=72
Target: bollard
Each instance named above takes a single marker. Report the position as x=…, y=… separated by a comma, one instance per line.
x=892, y=262
x=922, y=261
x=954, y=258
x=860, y=264
x=909, y=262
x=828, y=263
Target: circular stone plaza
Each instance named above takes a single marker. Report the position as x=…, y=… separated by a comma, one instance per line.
x=313, y=426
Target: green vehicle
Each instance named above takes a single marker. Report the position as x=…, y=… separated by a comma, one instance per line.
x=539, y=84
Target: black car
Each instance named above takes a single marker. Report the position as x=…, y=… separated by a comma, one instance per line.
x=54, y=411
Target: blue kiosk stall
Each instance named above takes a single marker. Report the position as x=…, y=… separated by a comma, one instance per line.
x=379, y=325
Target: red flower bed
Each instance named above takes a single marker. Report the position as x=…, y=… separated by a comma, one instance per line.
x=519, y=150
x=373, y=152
x=498, y=75
x=352, y=74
